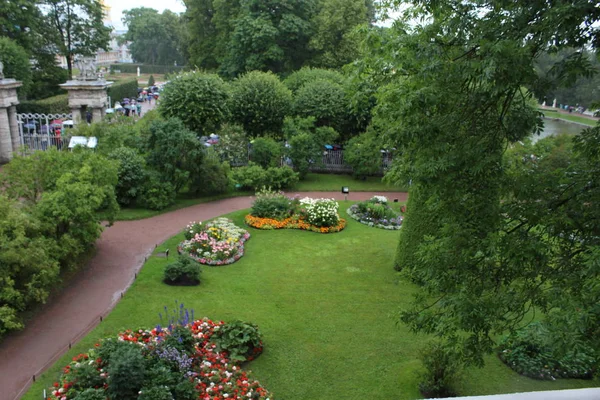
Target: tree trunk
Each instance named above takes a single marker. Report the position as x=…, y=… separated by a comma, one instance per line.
x=70, y=66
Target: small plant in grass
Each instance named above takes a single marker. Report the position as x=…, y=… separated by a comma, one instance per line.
x=183, y=272
x=376, y=212
x=240, y=339
x=442, y=370
x=529, y=352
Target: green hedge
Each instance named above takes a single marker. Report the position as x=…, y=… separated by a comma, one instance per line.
x=146, y=69
x=119, y=90
x=52, y=105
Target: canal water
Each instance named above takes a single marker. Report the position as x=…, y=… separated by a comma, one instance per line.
x=555, y=127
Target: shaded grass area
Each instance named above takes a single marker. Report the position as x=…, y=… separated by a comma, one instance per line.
x=569, y=117
x=312, y=183
x=326, y=306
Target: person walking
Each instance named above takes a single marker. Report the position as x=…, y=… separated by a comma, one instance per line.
x=138, y=109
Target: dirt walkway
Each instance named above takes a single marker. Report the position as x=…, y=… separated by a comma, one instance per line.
x=120, y=254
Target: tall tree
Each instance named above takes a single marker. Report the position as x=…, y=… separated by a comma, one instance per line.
x=455, y=101
x=270, y=35
x=162, y=46
x=77, y=27
x=334, y=41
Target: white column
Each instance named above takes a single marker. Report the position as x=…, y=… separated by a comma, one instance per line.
x=5, y=139
x=14, y=128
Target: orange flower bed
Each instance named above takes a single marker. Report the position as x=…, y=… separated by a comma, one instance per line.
x=291, y=223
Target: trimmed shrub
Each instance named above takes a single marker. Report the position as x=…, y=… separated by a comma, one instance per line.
x=304, y=151
x=260, y=102
x=52, y=105
x=254, y=177
x=266, y=152
x=131, y=174
x=120, y=90
x=325, y=101
x=198, y=99
x=305, y=75
x=151, y=80
x=183, y=272
x=146, y=68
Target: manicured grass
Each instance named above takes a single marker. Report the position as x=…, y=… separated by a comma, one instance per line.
x=569, y=117
x=332, y=182
x=312, y=183
x=326, y=306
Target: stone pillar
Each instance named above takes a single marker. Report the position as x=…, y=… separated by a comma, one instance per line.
x=14, y=128
x=9, y=129
x=87, y=94
x=97, y=114
x=6, y=149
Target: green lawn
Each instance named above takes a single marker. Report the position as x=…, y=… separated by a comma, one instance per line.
x=569, y=117
x=312, y=183
x=326, y=306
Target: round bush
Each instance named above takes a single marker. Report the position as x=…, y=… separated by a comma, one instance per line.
x=325, y=101
x=307, y=74
x=363, y=154
x=126, y=371
x=183, y=272
x=198, y=99
x=260, y=102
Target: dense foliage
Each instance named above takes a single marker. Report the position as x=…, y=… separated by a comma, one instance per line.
x=198, y=99
x=254, y=177
x=531, y=351
x=488, y=241
x=266, y=152
x=363, y=154
x=376, y=212
x=155, y=38
x=16, y=63
x=50, y=213
x=276, y=35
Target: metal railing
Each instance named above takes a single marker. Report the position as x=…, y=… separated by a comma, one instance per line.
x=44, y=131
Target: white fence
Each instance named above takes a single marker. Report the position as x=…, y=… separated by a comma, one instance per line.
x=44, y=131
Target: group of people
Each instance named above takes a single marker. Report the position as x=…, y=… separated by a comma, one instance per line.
x=129, y=108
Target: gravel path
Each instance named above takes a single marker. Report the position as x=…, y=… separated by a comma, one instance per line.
x=121, y=251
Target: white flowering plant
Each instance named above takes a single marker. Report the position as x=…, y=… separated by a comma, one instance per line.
x=319, y=212
x=379, y=199
x=192, y=229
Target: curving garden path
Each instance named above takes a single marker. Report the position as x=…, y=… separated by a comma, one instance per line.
x=120, y=254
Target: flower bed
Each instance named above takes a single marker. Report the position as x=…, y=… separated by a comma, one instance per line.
x=376, y=213
x=292, y=223
x=219, y=242
x=273, y=210
x=182, y=361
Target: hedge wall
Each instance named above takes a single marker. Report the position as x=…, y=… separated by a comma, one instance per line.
x=51, y=105
x=146, y=69
x=119, y=90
